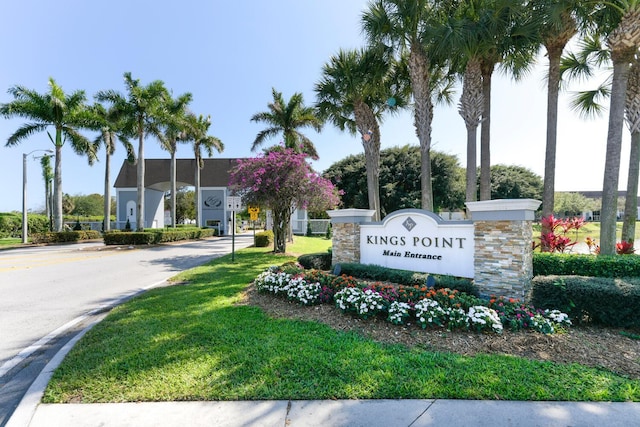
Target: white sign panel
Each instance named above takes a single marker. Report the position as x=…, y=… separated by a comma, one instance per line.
x=418, y=240
x=234, y=203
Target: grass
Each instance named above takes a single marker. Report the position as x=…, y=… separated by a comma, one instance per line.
x=590, y=229
x=193, y=342
x=307, y=245
x=10, y=242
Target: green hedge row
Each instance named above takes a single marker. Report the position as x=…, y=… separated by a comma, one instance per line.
x=11, y=224
x=546, y=264
x=65, y=236
x=154, y=236
x=404, y=277
x=601, y=300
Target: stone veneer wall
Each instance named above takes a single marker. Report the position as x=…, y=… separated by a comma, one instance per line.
x=346, y=243
x=503, y=257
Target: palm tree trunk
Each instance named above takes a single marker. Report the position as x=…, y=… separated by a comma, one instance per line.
x=140, y=171
x=196, y=196
x=368, y=125
x=485, y=132
x=552, y=131
x=423, y=115
x=106, y=224
x=608, y=213
x=57, y=184
x=173, y=186
x=631, y=201
x=470, y=108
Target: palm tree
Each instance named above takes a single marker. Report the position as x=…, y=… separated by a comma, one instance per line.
x=197, y=128
x=108, y=122
x=356, y=88
x=52, y=109
x=47, y=177
x=286, y=118
x=619, y=20
x=558, y=26
x=174, y=124
x=632, y=116
x=141, y=112
x=407, y=26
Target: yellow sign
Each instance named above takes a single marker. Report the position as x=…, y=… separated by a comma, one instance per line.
x=253, y=212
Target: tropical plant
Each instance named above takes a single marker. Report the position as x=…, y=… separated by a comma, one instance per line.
x=356, y=88
x=285, y=118
x=619, y=22
x=141, y=113
x=108, y=122
x=174, y=125
x=407, y=25
x=196, y=132
x=282, y=180
x=56, y=110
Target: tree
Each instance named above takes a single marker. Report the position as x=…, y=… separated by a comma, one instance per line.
x=174, y=124
x=185, y=207
x=400, y=180
x=108, y=122
x=47, y=177
x=282, y=180
x=356, y=88
x=632, y=116
x=619, y=20
x=515, y=182
x=196, y=131
x=407, y=25
x=89, y=205
x=572, y=204
x=53, y=109
x=286, y=118
x=141, y=112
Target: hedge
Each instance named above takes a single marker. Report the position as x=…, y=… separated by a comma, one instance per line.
x=154, y=236
x=545, y=264
x=405, y=277
x=317, y=261
x=601, y=300
x=65, y=236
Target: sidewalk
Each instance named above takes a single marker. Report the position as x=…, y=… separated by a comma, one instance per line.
x=352, y=413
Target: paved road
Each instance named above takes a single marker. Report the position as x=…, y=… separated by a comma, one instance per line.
x=49, y=293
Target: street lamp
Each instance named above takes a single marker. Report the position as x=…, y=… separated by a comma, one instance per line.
x=24, y=191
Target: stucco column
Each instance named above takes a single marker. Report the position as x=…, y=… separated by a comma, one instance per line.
x=345, y=224
x=503, y=236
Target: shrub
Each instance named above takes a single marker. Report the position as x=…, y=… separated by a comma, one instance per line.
x=65, y=236
x=548, y=264
x=602, y=300
x=264, y=239
x=129, y=238
x=318, y=261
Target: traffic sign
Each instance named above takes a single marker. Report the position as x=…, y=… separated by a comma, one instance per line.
x=234, y=203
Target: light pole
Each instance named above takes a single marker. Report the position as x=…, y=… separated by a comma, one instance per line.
x=24, y=191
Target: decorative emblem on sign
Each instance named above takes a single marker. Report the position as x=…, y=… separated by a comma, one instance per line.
x=409, y=224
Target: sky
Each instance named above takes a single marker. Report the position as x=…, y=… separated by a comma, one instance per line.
x=230, y=55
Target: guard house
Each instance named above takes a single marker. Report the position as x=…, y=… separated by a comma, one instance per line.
x=214, y=181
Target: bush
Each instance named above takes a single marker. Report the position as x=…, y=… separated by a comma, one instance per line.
x=65, y=236
x=129, y=238
x=156, y=235
x=405, y=277
x=317, y=261
x=602, y=300
x=264, y=239
x=546, y=264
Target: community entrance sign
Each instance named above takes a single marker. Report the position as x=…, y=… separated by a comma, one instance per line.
x=418, y=240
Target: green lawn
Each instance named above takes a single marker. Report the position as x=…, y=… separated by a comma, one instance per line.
x=193, y=342
x=9, y=242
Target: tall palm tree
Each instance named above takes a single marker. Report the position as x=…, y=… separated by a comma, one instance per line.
x=407, y=26
x=108, y=122
x=632, y=116
x=174, y=124
x=197, y=129
x=53, y=109
x=286, y=118
x=141, y=112
x=619, y=20
x=356, y=88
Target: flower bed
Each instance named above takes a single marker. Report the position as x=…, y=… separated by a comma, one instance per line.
x=400, y=304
